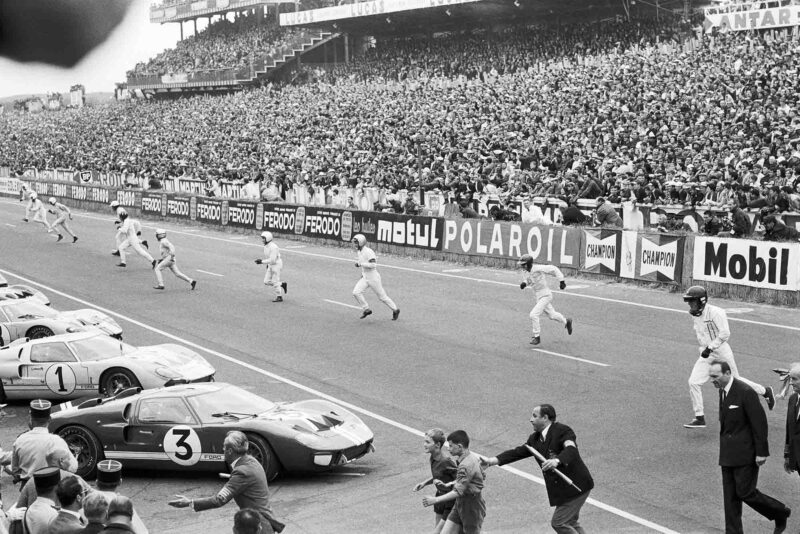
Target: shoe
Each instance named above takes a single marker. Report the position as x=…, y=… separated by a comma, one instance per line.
x=115, y=253
x=365, y=313
x=284, y=285
x=568, y=326
x=122, y=265
x=74, y=239
x=535, y=340
x=60, y=237
x=154, y=264
x=770, y=396
x=395, y=314
x=158, y=287
x=277, y=299
x=698, y=422
x=193, y=284
x=145, y=245
x=25, y=219
x=780, y=524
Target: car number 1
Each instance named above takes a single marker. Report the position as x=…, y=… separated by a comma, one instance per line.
x=60, y=379
x=182, y=445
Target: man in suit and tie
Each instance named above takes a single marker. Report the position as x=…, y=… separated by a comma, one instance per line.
x=556, y=442
x=247, y=485
x=70, y=494
x=791, y=451
x=743, y=448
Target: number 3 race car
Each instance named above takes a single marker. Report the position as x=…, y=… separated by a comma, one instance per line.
x=29, y=317
x=92, y=363
x=182, y=427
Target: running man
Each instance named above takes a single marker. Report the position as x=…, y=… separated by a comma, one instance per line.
x=62, y=213
x=534, y=277
x=131, y=239
x=36, y=207
x=120, y=237
x=370, y=277
x=168, y=261
x=272, y=257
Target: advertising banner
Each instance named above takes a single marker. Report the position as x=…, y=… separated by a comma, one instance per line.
x=126, y=198
x=754, y=19
x=321, y=222
x=209, y=210
x=242, y=214
x=660, y=257
x=547, y=244
x=280, y=218
x=362, y=9
x=763, y=264
x=176, y=206
x=601, y=251
x=154, y=203
x=10, y=186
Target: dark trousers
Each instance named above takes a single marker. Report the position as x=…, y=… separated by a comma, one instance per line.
x=738, y=486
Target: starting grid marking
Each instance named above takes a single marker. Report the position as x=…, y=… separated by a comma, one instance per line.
x=363, y=411
x=208, y=272
x=343, y=304
x=571, y=357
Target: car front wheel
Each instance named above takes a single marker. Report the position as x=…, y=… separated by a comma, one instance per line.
x=85, y=446
x=261, y=451
x=116, y=380
x=38, y=332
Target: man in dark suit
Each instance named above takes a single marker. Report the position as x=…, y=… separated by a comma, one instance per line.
x=791, y=451
x=247, y=485
x=70, y=494
x=557, y=443
x=743, y=448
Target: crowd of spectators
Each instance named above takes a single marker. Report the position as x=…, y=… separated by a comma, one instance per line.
x=649, y=111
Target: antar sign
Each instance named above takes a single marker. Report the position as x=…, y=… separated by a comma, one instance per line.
x=750, y=263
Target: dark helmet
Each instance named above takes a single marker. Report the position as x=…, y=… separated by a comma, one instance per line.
x=525, y=261
x=699, y=295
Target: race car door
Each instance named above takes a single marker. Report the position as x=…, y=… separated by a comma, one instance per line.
x=164, y=434
x=49, y=369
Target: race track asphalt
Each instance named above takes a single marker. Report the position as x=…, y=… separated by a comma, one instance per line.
x=458, y=357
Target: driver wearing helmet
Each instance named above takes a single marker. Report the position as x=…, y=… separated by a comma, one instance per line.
x=370, y=277
x=534, y=277
x=36, y=207
x=129, y=231
x=62, y=213
x=272, y=257
x=167, y=261
x=120, y=237
x=713, y=332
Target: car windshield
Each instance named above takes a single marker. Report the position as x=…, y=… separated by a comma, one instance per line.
x=100, y=347
x=230, y=399
x=28, y=308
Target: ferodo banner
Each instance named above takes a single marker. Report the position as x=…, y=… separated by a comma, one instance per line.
x=312, y=221
x=152, y=202
x=601, y=251
x=280, y=218
x=744, y=262
x=547, y=244
x=10, y=186
x=241, y=214
x=177, y=206
x=209, y=210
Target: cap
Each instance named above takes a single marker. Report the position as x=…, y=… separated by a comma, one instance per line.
x=109, y=472
x=46, y=477
x=120, y=505
x=40, y=408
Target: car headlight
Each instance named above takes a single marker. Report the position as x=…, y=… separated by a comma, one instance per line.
x=166, y=372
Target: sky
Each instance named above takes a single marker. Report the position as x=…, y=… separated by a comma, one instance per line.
x=135, y=39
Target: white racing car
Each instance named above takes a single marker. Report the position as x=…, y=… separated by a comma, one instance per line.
x=91, y=363
x=19, y=291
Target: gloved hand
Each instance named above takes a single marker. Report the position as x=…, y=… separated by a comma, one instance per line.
x=117, y=223
x=523, y=285
x=259, y=261
x=70, y=216
x=562, y=284
x=706, y=352
x=358, y=264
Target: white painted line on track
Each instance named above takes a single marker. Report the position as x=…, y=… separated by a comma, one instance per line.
x=208, y=272
x=572, y=358
x=343, y=304
x=294, y=247
x=454, y=270
x=11, y=225
x=312, y=391
x=460, y=277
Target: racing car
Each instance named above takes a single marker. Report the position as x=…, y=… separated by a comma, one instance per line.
x=91, y=363
x=18, y=291
x=28, y=317
x=182, y=428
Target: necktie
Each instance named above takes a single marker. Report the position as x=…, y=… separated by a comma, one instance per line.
x=797, y=408
x=723, y=395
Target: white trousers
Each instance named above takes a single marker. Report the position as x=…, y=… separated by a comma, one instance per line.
x=172, y=266
x=374, y=283
x=62, y=221
x=544, y=305
x=39, y=216
x=137, y=247
x=273, y=278
x=700, y=376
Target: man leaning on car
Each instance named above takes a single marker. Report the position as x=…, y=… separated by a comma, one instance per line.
x=247, y=485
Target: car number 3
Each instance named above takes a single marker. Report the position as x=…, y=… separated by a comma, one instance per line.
x=182, y=445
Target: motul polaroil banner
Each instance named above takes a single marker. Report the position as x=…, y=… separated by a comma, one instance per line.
x=745, y=262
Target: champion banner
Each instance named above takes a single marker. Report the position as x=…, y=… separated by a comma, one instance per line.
x=660, y=257
x=745, y=262
x=601, y=251
x=559, y=245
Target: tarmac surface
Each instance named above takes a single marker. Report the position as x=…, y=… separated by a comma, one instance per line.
x=457, y=358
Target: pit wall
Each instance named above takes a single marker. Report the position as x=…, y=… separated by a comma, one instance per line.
x=742, y=269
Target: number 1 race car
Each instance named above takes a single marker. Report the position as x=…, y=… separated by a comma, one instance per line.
x=182, y=427
x=92, y=363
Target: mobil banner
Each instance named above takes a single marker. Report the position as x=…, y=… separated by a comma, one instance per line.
x=745, y=262
x=601, y=251
x=208, y=210
x=242, y=214
x=656, y=257
x=547, y=244
x=154, y=203
x=176, y=206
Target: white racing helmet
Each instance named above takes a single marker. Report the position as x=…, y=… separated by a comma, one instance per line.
x=52, y=200
x=267, y=237
x=359, y=240
x=161, y=233
x=114, y=204
x=34, y=195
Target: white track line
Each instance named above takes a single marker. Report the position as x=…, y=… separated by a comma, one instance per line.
x=208, y=272
x=572, y=357
x=307, y=389
x=11, y=225
x=342, y=304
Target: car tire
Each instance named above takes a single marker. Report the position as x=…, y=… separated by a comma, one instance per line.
x=86, y=448
x=38, y=332
x=117, y=379
x=2, y=393
x=262, y=451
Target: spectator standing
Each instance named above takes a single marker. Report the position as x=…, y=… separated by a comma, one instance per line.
x=557, y=443
x=95, y=508
x=741, y=222
x=443, y=472
x=370, y=277
x=272, y=257
x=572, y=214
x=247, y=485
x=469, y=509
x=534, y=277
x=607, y=216
x=775, y=230
x=70, y=496
x=32, y=447
x=167, y=261
x=63, y=460
x=743, y=449
x=712, y=330
x=44, y=509
x=109, y=478
x=791, y=451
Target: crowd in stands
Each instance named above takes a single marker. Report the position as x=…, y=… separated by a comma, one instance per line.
x=648, y=111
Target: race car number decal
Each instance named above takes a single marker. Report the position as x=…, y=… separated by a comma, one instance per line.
x=60, y=379
x=182, y=445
